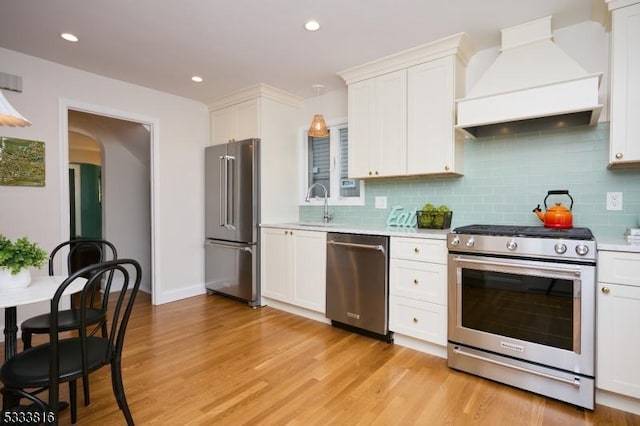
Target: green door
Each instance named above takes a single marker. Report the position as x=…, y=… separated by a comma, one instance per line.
x=90, y=202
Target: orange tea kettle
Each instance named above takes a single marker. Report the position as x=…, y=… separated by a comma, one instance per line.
x=557, y=216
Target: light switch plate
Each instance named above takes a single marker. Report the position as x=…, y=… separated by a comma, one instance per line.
x=381, y=202
x=614, y=200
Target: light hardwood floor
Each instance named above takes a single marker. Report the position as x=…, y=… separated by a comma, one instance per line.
x=208, y=360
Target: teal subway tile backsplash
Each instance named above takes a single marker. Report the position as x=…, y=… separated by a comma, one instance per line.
x=506, y=177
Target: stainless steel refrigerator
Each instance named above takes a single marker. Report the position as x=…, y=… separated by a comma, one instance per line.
x=232, y=212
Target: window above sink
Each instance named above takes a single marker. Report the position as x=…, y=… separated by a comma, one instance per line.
x=325, y=161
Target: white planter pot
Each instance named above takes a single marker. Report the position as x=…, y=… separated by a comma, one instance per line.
x=18, y=281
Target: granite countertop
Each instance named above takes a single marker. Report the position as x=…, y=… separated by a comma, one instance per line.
x=392, y=231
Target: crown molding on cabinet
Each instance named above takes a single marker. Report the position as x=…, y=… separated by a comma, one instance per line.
x=616, y=4
x=457, y=44
x=259, y=90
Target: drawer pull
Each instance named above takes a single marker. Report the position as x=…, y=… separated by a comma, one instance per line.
x=605, y=290
x=415, y=320
x=416, y=250
x=415, y=281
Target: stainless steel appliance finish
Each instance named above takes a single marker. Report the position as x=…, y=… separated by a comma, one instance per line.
x=232, y=212
x=522, y=308
x=357, y=283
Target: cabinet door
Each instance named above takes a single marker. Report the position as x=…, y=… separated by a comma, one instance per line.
x=223, y=125
x=247, y=120
x=363, y=138
x=236, y=122
x=625, y=85
x=618, y=348
x=430, y=131
x=309, y=275
x=276, y=278
x=390, y=157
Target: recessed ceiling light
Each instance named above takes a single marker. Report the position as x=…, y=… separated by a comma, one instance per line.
x=197, y=79
x=69, y=37
x=312, y=25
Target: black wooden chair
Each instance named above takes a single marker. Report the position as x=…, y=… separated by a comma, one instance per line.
x=62, y=360
x=82, y=252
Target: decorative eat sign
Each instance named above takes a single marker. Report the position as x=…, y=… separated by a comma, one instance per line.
x=400, y=217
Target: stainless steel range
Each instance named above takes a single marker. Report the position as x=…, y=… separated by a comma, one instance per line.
x=522, y=308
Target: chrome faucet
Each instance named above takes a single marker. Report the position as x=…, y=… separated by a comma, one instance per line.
x=326, y=217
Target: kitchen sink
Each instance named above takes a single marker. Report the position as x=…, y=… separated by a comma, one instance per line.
x=315, y=224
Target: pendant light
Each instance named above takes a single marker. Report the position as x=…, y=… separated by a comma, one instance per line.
x=9, y=116
x=318, y=128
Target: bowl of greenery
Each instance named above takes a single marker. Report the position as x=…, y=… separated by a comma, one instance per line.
x=16, y=257
x=433, y=217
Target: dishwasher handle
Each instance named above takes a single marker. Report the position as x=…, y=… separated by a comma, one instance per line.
x=378, y=247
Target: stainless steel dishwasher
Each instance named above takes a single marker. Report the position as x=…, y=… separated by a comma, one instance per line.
x=357, y=283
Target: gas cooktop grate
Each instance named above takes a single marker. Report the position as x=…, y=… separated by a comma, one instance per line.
x=526, y=231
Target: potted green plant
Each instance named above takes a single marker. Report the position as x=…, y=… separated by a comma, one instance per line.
x=15, y=260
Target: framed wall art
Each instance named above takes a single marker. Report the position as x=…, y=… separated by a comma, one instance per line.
x=21, y=162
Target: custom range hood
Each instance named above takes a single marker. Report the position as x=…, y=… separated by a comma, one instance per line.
x=532, y=85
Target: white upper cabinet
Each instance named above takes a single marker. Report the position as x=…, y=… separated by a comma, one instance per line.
x=378, y=116
x=435, y=146
x=624, y=146
x=236, y=122
x=402, y=111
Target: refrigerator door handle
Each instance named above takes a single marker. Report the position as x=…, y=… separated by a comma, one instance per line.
x=221, y=204
x=231, y=183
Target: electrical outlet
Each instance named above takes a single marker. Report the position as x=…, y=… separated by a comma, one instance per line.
x=381, y=202
x=614, y=200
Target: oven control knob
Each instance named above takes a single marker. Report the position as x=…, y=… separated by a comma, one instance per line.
x=455, y=241
x=582, y=249
x=560, y=248
x=512, y=245
x=471, y=242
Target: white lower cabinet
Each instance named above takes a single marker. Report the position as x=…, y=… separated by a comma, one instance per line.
x=293, y=267
x=418, y=289
x=618, y=325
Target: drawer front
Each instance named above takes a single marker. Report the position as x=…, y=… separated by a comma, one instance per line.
x=419, y=249
x=619, y=267
x=418, y=280
x=421, y=320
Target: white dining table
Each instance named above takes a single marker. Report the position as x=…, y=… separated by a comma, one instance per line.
x=41, y=289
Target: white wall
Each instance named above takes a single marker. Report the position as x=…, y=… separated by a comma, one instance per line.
x=182, y=133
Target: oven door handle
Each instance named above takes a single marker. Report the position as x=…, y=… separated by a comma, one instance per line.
x=575, y=382
x=576, y=270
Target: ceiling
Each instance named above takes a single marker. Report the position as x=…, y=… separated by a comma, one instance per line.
x=234, y=44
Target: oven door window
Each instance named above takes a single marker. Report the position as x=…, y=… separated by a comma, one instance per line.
x=531, y=308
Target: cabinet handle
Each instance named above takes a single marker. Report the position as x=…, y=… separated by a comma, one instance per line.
x=415, y=320
x=446, y=168
x=370, y=173
x=605, y=290
x=376, y=173
x=415, y=281
x=416, y=250
x=619, y=156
